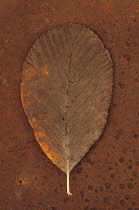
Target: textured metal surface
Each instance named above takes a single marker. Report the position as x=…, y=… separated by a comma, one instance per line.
x=108, y=177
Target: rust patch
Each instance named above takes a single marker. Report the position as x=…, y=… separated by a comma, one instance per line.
x=33, y=119
x=55, y=157
x=40, y=133
x=104, y=121
x=116, y=22
x=24, y=98
x=28, y=75
x=34, y=125
x=44, y=70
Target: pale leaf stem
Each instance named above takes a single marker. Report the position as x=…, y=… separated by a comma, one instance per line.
x=68, y=185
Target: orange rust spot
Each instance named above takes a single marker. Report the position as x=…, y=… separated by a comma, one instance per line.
x=44, y=70
x=41, y=134
x=37, y=99
x=44, y=146
x=55, y=157
x=40, y=130
x=25, y=95
x=26, y=104
x=28, y=74
x=41, y=117
x=24, y=92
x=33, y=119
x=34, y=125
x=24, y=99
x=104, y=121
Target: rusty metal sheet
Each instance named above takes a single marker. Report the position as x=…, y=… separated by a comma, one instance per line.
x=108, y=177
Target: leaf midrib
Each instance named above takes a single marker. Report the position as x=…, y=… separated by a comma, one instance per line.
x=66, y=104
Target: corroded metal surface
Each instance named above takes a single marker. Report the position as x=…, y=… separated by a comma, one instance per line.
x=108, y=176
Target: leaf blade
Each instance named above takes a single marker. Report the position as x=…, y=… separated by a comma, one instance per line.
x=69, y=74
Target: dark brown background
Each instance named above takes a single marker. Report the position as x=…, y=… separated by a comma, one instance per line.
x=108, y=176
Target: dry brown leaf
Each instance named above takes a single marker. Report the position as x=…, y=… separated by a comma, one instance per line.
x=66, y=91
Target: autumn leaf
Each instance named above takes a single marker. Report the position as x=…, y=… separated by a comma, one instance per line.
x=66, y=91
